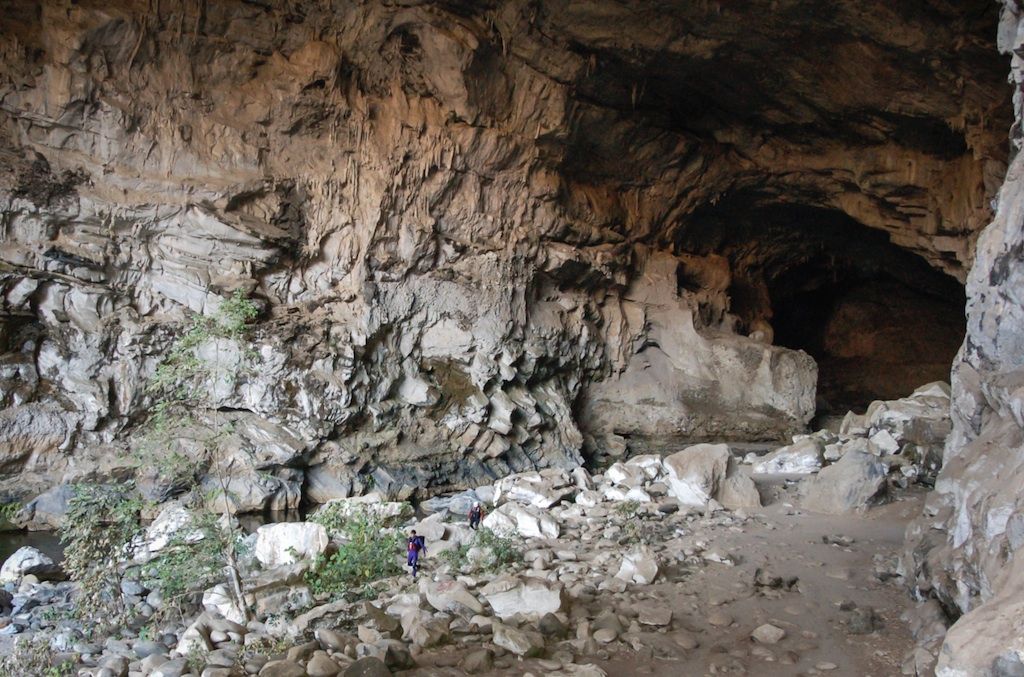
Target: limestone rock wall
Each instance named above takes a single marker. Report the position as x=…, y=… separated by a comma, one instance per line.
x=965, y=549
x=463, y=221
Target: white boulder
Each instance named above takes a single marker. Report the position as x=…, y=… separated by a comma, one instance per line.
x=289, y=542
x=803, y=457
x=639, y=566
x=509, y=596
x=27, y=560
x=527, y=522
x=693, y=474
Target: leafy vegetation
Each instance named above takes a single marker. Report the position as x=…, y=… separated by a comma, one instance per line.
x=337, y=518
x=100, y=524
x=498, y=551
x=8, y=511
x=194, y=559
x=31, y=655
x=369, y=552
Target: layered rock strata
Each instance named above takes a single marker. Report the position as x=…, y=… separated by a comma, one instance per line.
x=466, y=225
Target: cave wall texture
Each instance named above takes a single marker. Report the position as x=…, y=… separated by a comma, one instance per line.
x=478, y=231
x=492, y=236
x=963, y=550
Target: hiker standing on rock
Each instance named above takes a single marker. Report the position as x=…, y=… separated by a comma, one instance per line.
x=415, y=545
x=476, y=513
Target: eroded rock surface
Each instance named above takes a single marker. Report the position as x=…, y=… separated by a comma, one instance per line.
x=484, y=239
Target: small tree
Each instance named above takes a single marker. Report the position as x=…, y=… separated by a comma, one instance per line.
x=101, y=523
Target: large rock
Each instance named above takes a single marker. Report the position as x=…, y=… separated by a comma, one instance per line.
x=802, y=457
x=855, y=482
x=520, y=642
x=541, y=489
x=639, y=566
x=289, y=542
x=693, y=474
x=514, y=519
x=509, y=596
x=450, y=596
x=28, y=560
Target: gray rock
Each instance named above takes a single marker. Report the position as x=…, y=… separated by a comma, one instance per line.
x=367, y=667
x=855, y=482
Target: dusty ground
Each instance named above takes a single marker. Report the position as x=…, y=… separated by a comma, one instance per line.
x=823, y=613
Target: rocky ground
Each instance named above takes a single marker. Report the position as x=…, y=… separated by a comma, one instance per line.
x=774, y=591
x=710, y=560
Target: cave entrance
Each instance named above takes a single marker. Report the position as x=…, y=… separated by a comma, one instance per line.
x=874, y=336
x=878, y=319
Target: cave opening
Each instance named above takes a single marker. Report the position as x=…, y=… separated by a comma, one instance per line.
x=877, y=318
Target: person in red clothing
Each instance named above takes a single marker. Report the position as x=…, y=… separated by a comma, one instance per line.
x=476, y=513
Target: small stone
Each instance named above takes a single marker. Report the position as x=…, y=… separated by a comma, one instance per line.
x=768, y=634
x=719, y=619
x=655, y=615
x=826, y=666
x=687, y=641
x=605, y=635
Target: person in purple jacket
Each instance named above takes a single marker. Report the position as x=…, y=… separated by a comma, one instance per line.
x=416, y=545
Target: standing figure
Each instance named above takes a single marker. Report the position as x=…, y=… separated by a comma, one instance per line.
x=415, y=545
x=476, y=513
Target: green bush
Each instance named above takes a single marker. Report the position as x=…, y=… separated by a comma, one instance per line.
x=100, y=524
x=368, y=553
x=8, y=511
x=193, y=560
x=500, y=551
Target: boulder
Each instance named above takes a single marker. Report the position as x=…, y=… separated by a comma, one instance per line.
x=450, y=596
x=289, y=542
x=520, y=642
x=533, y=597
x=527, y=522
x=800, y=458
x=28, y=560
x=639, y=566
x=539, y=488
x=368, y=666
x=738, y=491
x=431, y=528
x=693, y=474
x=854, y=482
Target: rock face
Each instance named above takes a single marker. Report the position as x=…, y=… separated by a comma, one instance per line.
x=477, y=249
x=964, y=551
